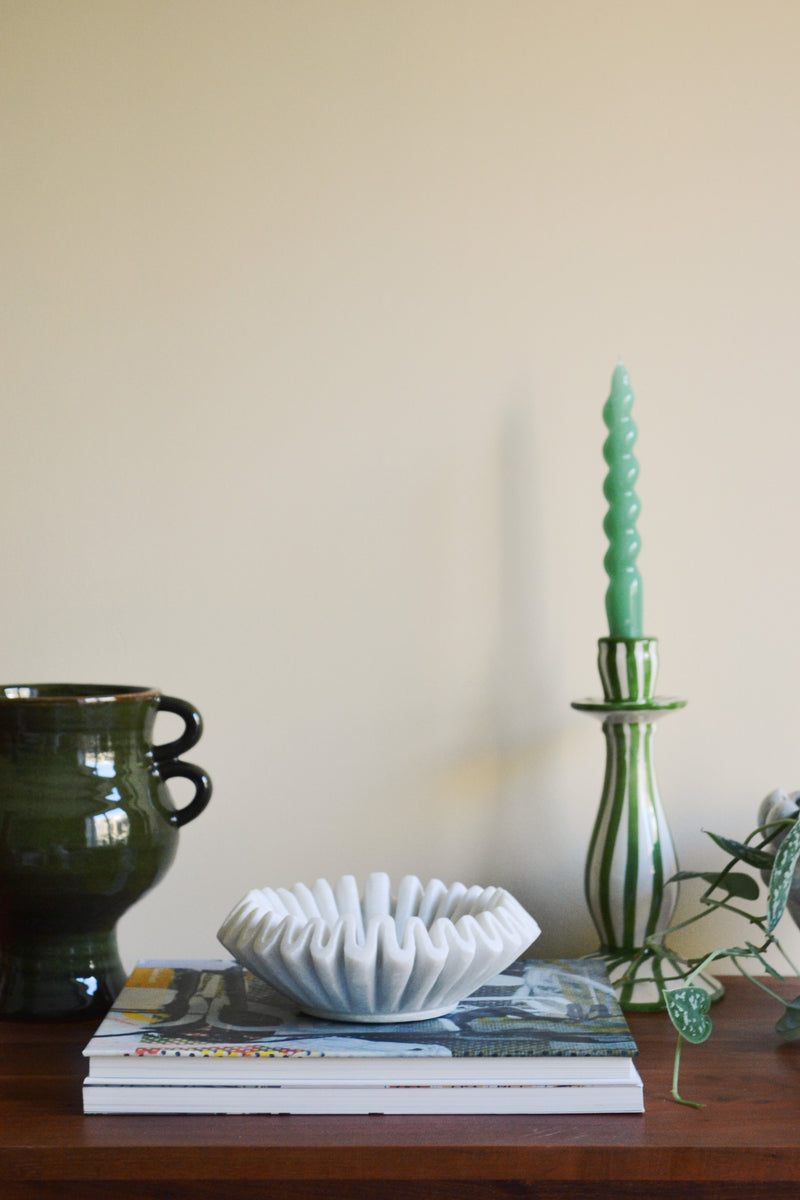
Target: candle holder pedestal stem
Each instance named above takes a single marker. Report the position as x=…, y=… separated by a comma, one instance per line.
x=631, y=854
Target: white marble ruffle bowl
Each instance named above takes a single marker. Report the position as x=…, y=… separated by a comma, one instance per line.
x=377, y=956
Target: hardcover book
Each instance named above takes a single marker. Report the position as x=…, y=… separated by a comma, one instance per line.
x=208, y=1036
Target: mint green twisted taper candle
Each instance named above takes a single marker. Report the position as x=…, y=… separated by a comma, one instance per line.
x=624, y=594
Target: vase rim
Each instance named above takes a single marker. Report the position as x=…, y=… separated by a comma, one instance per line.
x=73, y=693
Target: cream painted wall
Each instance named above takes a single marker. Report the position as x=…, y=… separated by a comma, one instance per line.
x=310, y=310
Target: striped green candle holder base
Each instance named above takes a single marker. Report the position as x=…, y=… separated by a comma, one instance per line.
x=631, y=854
x=640, y=977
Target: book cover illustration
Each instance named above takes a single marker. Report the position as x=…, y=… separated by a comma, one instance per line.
x=217, y=1008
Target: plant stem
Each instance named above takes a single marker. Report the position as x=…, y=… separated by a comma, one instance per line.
x=705, y=962
x=675, y=1071
x=756, y=981
x=786, y=958
x=713, y=905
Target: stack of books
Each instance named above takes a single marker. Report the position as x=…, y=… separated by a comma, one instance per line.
x=209, y=1037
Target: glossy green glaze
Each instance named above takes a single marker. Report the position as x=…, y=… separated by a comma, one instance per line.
x=631, y=858
x=87, y=826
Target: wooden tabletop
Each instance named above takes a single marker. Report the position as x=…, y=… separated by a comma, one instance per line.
x=745, y=1141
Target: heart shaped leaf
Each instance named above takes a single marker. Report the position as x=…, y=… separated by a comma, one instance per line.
x=687, y=1008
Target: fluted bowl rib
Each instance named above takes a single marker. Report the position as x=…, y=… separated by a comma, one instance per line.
x=377, y=955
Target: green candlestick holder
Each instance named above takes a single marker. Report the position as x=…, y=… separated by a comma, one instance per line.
x=631, y=856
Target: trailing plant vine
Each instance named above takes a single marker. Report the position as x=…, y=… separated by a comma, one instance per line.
x=729, y=890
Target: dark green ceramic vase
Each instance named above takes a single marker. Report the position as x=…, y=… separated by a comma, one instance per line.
x=87, y=826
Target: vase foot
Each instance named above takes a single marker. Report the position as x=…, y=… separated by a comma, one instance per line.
x=60, y=979
x=640, y=978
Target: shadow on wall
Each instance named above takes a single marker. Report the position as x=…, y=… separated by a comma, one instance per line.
x=511, y=790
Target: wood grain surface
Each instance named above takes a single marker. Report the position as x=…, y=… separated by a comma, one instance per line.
x=745, y=1141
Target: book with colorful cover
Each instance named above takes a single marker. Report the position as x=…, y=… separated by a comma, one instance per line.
x=208, y=1036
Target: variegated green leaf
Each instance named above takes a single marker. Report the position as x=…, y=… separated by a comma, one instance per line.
x=735, y=883
x=747, y=854
x=687, y=1008
x=789, y=1025
x=780, y=881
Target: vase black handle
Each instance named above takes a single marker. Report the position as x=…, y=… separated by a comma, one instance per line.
x=191, y=734
x=202, y=789
x=169, y=764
